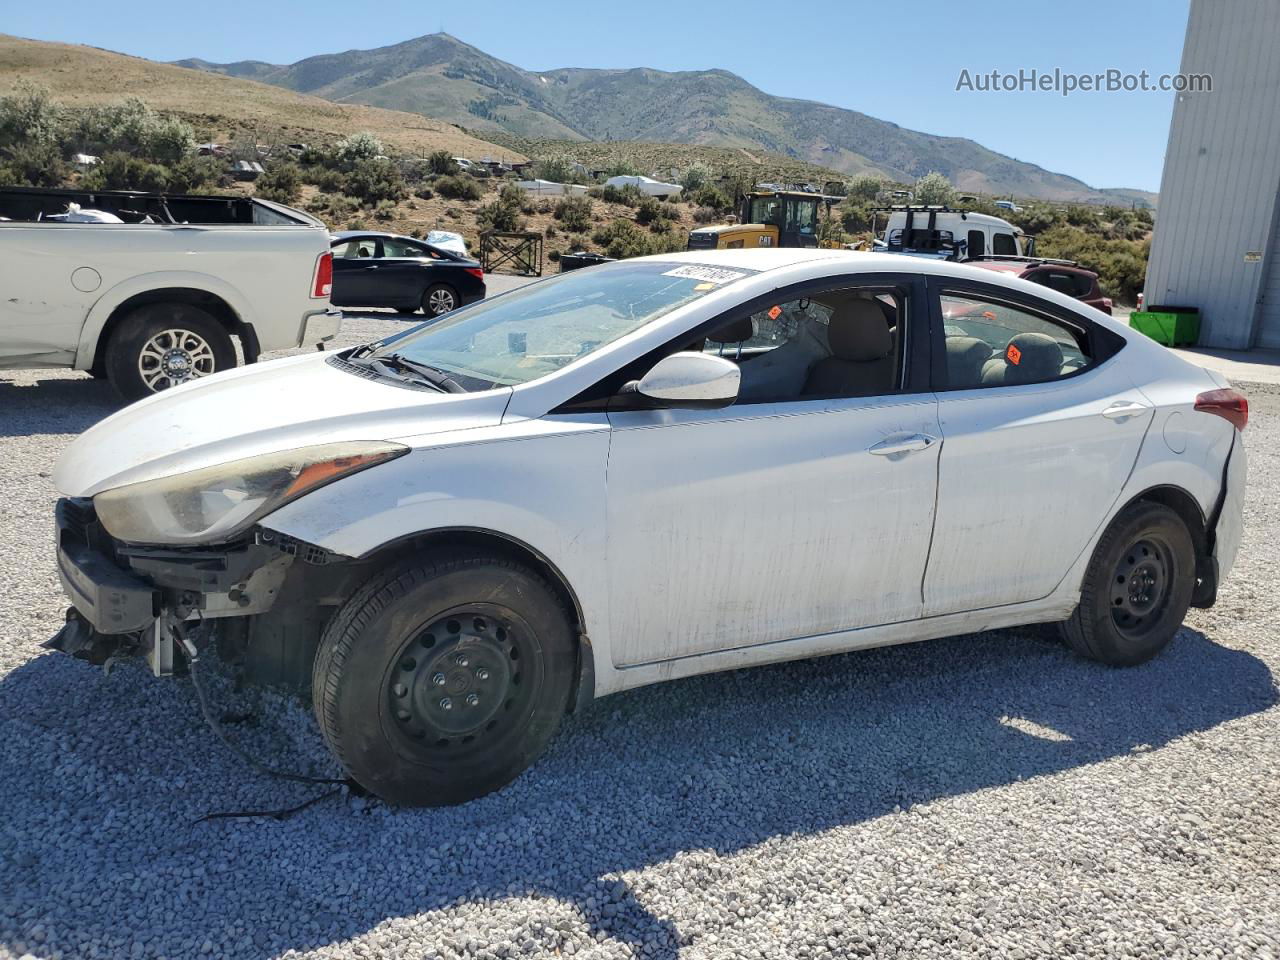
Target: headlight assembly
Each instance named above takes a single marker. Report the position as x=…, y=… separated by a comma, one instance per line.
x=216, y=503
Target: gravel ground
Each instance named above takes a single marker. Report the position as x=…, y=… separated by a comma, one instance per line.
x=989, y=795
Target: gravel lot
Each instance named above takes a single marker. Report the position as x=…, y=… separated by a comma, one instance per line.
x=989, y=795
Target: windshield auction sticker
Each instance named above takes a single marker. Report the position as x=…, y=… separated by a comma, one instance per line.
x=716, y=275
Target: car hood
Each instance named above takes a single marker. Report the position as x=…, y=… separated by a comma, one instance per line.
x=262, y=408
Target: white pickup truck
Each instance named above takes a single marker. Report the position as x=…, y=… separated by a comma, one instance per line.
x=149, y=290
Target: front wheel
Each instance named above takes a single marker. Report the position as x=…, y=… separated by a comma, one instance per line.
x=165, y=344
x=443, y=679
x=439, y=298
x=1137, y=589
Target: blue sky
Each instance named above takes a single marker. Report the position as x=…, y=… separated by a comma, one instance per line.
x=896, y=61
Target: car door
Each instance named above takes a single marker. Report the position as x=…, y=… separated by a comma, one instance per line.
x=1039, y=434
x=804, y=508
x=406, y=270
x=355, y=273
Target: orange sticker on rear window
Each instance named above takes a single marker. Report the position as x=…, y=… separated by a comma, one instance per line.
x=990, y=315
x=1014, y=354
x=775, y=312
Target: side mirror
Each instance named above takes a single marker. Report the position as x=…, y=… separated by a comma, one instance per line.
x=691, y=380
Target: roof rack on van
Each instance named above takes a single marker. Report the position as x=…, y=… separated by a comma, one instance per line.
x=1010, y=258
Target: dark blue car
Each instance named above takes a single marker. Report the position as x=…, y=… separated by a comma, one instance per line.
x=387, y=270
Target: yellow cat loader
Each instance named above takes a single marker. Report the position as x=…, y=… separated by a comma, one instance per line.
x=769, y=218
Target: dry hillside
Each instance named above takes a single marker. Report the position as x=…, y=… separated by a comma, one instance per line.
x=218, y=106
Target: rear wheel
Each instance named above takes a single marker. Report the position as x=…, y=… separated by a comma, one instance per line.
x=165, y=344
x=443, y=679
x=439, y=298
x=1137, y=589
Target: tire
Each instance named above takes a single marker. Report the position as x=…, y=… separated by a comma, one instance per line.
x=443, y=678
x=439, y=298
x=1137, y=589
x=161, y=345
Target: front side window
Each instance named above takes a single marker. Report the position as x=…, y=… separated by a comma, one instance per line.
x=838, y=343
x=801, y=216
x=534, y=331
x=765, y=210
x=1003, y=245
x=992, y=344
x=358, y=248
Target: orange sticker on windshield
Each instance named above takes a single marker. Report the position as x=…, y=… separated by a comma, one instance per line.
x=1014, y=355
x=775, y=312
x=989, y=314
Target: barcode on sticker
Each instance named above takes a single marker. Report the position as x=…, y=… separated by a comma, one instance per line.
x=706, y=274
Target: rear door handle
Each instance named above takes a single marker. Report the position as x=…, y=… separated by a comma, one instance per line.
x=1124, y=409
x=900, y=446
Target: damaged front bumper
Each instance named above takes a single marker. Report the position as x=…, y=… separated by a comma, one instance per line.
x=128, y=599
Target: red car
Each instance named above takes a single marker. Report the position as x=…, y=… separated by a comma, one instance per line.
x=1065, y=276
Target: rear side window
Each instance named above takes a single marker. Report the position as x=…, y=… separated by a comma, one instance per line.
x=977, y=243
x=1072, y=284
x=399, y=248
x=1002, y=245
x=993, y=344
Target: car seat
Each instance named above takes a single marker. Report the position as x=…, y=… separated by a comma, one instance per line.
x=1029, y=358
x=966, y=357
x=862, y=352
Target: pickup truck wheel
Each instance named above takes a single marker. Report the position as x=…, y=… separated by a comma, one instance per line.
x=1137, y=589
x=439, y=298
x=164, y=344
x=443, y=678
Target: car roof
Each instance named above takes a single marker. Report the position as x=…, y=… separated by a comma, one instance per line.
x=812, y=261
x=349, y=234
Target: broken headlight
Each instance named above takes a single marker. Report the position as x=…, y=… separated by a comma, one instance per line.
x=216, y=503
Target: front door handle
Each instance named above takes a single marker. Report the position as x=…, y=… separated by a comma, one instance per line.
x=900, y=446
x=1124, y=409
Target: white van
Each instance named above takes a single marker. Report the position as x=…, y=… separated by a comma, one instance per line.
x=945, y=234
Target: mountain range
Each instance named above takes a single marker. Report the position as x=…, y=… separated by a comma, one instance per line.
x=441, y=77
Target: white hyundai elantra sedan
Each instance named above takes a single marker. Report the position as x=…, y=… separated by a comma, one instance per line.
x=646, y=470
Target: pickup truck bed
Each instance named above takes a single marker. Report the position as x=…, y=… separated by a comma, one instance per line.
x=155, y=299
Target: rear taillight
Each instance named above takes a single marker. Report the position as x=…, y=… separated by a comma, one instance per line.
x=322, y=285
x=475, y=272
x=1231, y=405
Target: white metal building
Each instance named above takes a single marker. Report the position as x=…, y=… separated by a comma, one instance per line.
x=1217, y=237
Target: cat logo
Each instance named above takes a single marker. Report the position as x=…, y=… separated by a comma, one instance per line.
x=766, y=240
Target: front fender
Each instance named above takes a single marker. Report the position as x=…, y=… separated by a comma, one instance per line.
x=543, y=486
x=106, y=305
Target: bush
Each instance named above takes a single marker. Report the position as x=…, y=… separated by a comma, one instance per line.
x=28, y=116
x=357, y=148
x=856, y=214
x=330, y=181
x=934, y=188
x=385, y=210
x=575, y=213
x=628, y=195
x=709, y=196
x=696, y=176
x=424, y=193
x=705, y=215
x=376, y=180
x=503, y=214
x=457, y=188
x=131, y=127
x=557, y=169
x=648, y=210
x=441, y=164
x=191, y=174
x=33, y=164
x=864, y=187
x=661, y=225
x=120, y=171
x=282, y=183
x=621, y=168
x=621, y=239
x=336, y=207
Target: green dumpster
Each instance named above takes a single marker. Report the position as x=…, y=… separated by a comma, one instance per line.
x=1172, y=326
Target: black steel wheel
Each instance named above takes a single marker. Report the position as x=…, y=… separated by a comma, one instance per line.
x=443, y=678
x=463, y=679
x=1137, y=589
